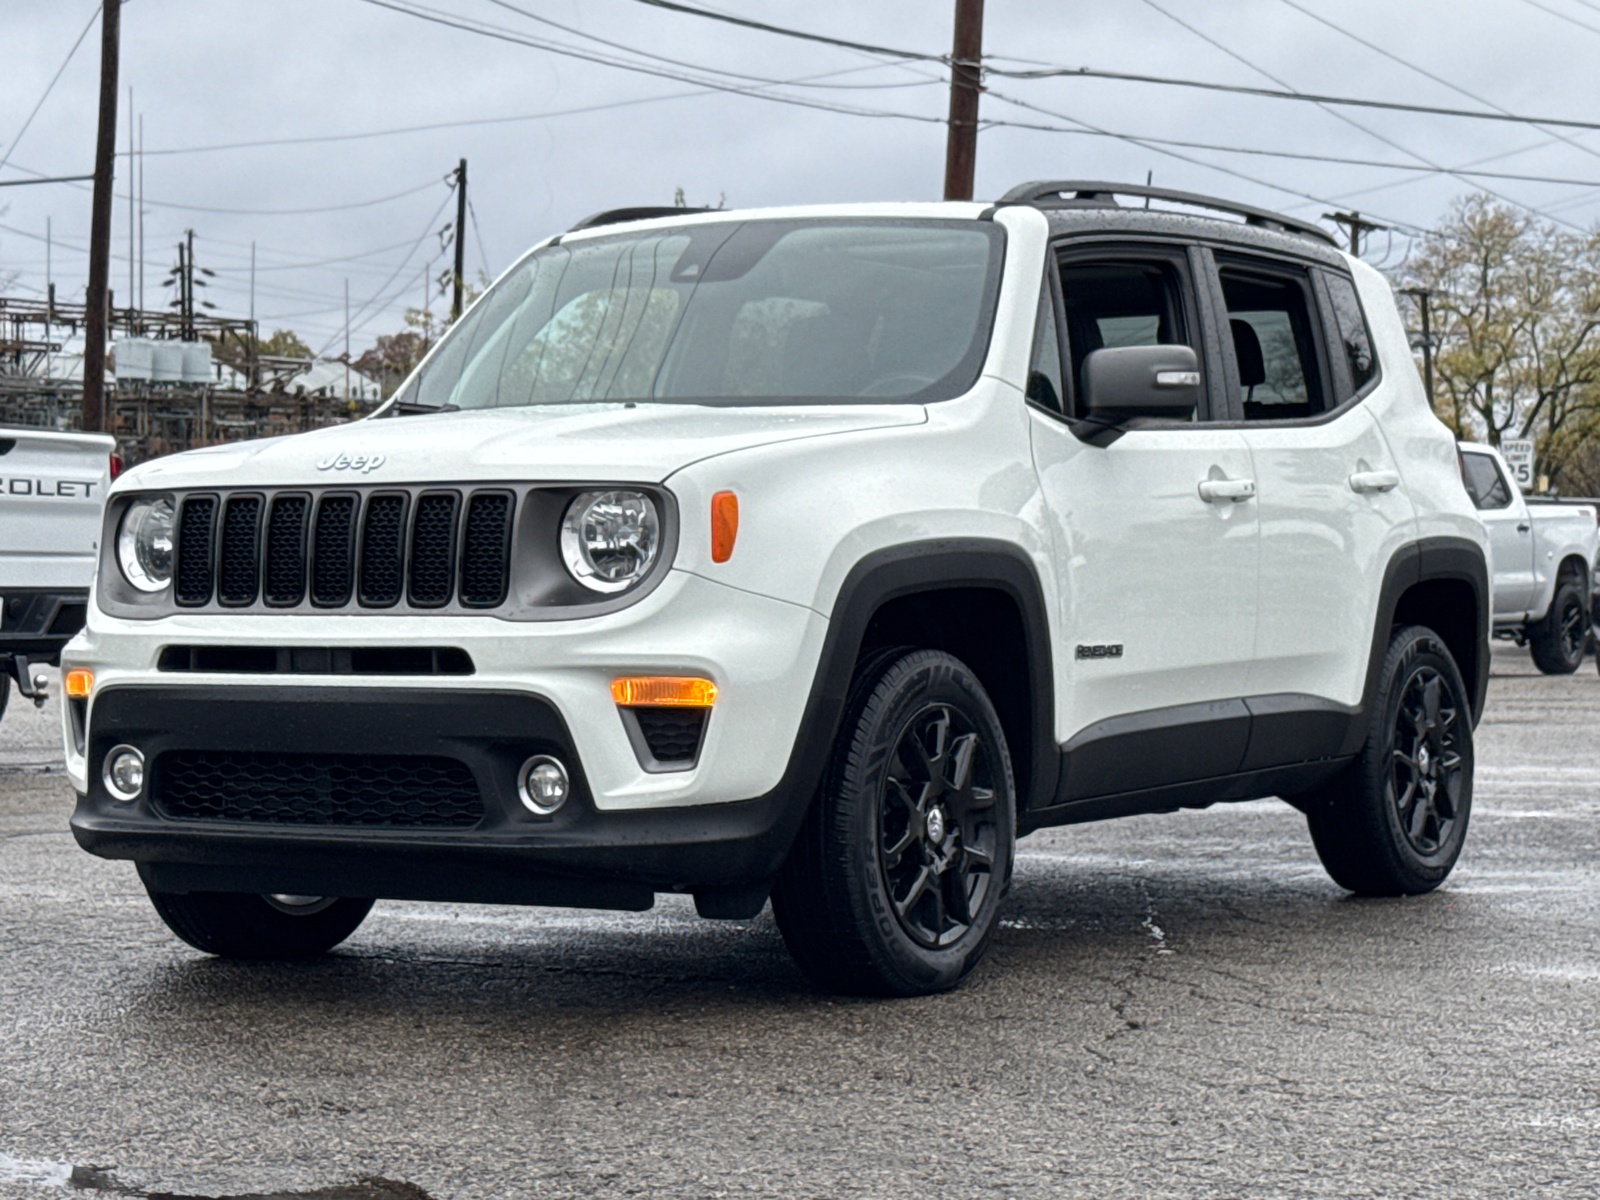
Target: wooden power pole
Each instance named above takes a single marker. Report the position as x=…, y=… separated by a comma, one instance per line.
x=1424, y=300
x=105, y=153
x=461, y=237
x=966, y=81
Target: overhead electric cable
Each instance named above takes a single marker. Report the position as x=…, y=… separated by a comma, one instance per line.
x=783, y=31
x=426, y=232
x=1428, y=163
x=296, y=212
x=572, y=29
x=49, y=87
x=412, y=9
x=1555, y=13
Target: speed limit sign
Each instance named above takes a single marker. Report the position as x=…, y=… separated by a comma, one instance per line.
x=1519, y=457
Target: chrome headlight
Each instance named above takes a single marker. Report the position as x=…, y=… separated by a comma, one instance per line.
x=610, y=539
x=144, y=544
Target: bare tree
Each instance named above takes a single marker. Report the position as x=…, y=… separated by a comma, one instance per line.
x=1516, y=307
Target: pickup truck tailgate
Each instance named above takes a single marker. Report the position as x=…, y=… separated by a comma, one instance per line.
x=52, y=491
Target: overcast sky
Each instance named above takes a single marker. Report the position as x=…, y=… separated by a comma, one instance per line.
x=208, y=73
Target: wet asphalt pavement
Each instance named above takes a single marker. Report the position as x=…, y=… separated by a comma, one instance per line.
x=1176, y=1006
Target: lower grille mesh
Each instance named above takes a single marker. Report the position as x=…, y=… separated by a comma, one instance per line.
x=673, y=734
x=317, y=789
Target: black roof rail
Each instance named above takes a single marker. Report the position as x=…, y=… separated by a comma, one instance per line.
x=647, y=212
x=1073, y=193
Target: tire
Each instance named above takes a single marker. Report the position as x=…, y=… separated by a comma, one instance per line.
x=895, y=879
x=1393, y=823
x=278, y=928
x=1559, y=640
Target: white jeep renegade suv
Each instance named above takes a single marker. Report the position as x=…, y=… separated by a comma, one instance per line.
x=812, y=553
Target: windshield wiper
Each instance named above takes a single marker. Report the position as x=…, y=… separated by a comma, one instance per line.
x=405, y=408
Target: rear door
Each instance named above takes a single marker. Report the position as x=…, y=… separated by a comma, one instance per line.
x=1333, y=509
x=1510, y=534
x=1159, y=584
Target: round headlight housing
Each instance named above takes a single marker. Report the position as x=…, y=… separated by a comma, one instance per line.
x=610, y=540
x=144, y=543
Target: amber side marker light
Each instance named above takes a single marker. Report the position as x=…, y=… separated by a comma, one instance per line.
x=724, y=525
x=80, y=682
x=681, y=690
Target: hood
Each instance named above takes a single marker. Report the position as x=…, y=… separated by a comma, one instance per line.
x=568, y=442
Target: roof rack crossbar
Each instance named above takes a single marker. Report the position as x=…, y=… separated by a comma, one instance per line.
x=1084, y=192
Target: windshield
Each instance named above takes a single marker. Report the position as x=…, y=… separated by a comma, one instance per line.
x=757, y=312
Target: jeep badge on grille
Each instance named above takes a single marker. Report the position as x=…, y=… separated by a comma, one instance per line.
x=344, y=462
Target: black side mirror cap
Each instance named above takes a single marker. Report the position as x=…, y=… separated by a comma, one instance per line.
x=1124, y=382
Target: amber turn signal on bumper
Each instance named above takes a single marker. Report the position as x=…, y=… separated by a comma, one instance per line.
x=79, y=682
x=682, y=690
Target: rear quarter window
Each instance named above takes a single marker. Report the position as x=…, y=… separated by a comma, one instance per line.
x=1354, y=335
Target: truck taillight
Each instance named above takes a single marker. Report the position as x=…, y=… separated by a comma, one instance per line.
x=116, y=465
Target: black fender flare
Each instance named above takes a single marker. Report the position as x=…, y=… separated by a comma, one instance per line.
x=909, y=569
x=1448, y=558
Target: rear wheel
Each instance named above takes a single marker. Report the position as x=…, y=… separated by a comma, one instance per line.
x=280, y=927
x=894, y=883
x=1393, y=823
x=1558, y=641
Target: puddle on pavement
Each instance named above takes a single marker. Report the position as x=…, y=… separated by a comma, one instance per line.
x=102, y=1181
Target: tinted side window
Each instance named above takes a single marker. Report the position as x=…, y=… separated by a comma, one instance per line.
x=1353, y=331
x=1132, y=303
x=1485, y=484
x=1270, y=318
x=1044, y=376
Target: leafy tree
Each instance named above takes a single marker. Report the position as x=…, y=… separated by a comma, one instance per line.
x=1516, y=314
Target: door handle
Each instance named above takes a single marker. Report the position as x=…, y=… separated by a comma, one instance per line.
x=1524, y=527
x=1374, y=481
x=1227, y=489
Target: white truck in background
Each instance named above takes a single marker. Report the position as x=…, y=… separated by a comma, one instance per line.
x=1544, y=561
x=52, y=492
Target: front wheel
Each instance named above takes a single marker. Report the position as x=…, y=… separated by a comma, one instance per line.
x=278, y=927
x=1559, y=640
x=1393, y=823
x=894, y=882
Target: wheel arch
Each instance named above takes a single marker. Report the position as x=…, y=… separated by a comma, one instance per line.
x=1442, y=583
x=978, y=599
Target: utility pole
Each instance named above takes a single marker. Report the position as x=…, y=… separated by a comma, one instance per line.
x=966, y=81
x=105, y=153
x=461, y=237
x=1352, y=221
x=250, y=371
x=133, y=214
x=140, y=182
x=1424, y=296
x=347, y=341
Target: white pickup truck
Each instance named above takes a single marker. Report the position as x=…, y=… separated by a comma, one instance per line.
x=52, y=492
x=1544, y=556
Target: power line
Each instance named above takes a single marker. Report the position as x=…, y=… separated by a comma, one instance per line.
x=1276, y=94
x=1562, y=15
x=296, y=212
x=411, y=9
x=483, y=259
x=509, y=7
x=1348, y=120
x=49, y=87
x=783, y=31
x=428, y=229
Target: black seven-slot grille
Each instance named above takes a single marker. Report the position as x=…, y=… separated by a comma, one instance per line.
x=384, y=548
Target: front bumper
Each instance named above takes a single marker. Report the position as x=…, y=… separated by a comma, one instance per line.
x=581, y=857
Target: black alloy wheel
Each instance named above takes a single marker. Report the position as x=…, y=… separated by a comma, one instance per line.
x=894, y=882
x=1558, y=641
x=1394, y=821
x=1426, y=768
x=936, y=832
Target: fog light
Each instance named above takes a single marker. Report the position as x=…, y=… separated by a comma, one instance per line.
x=542, y=785
x=124, y=773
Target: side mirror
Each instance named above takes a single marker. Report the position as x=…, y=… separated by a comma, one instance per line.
x=1141, y=381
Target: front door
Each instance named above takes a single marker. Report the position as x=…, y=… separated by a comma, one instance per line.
x=1158, y=582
